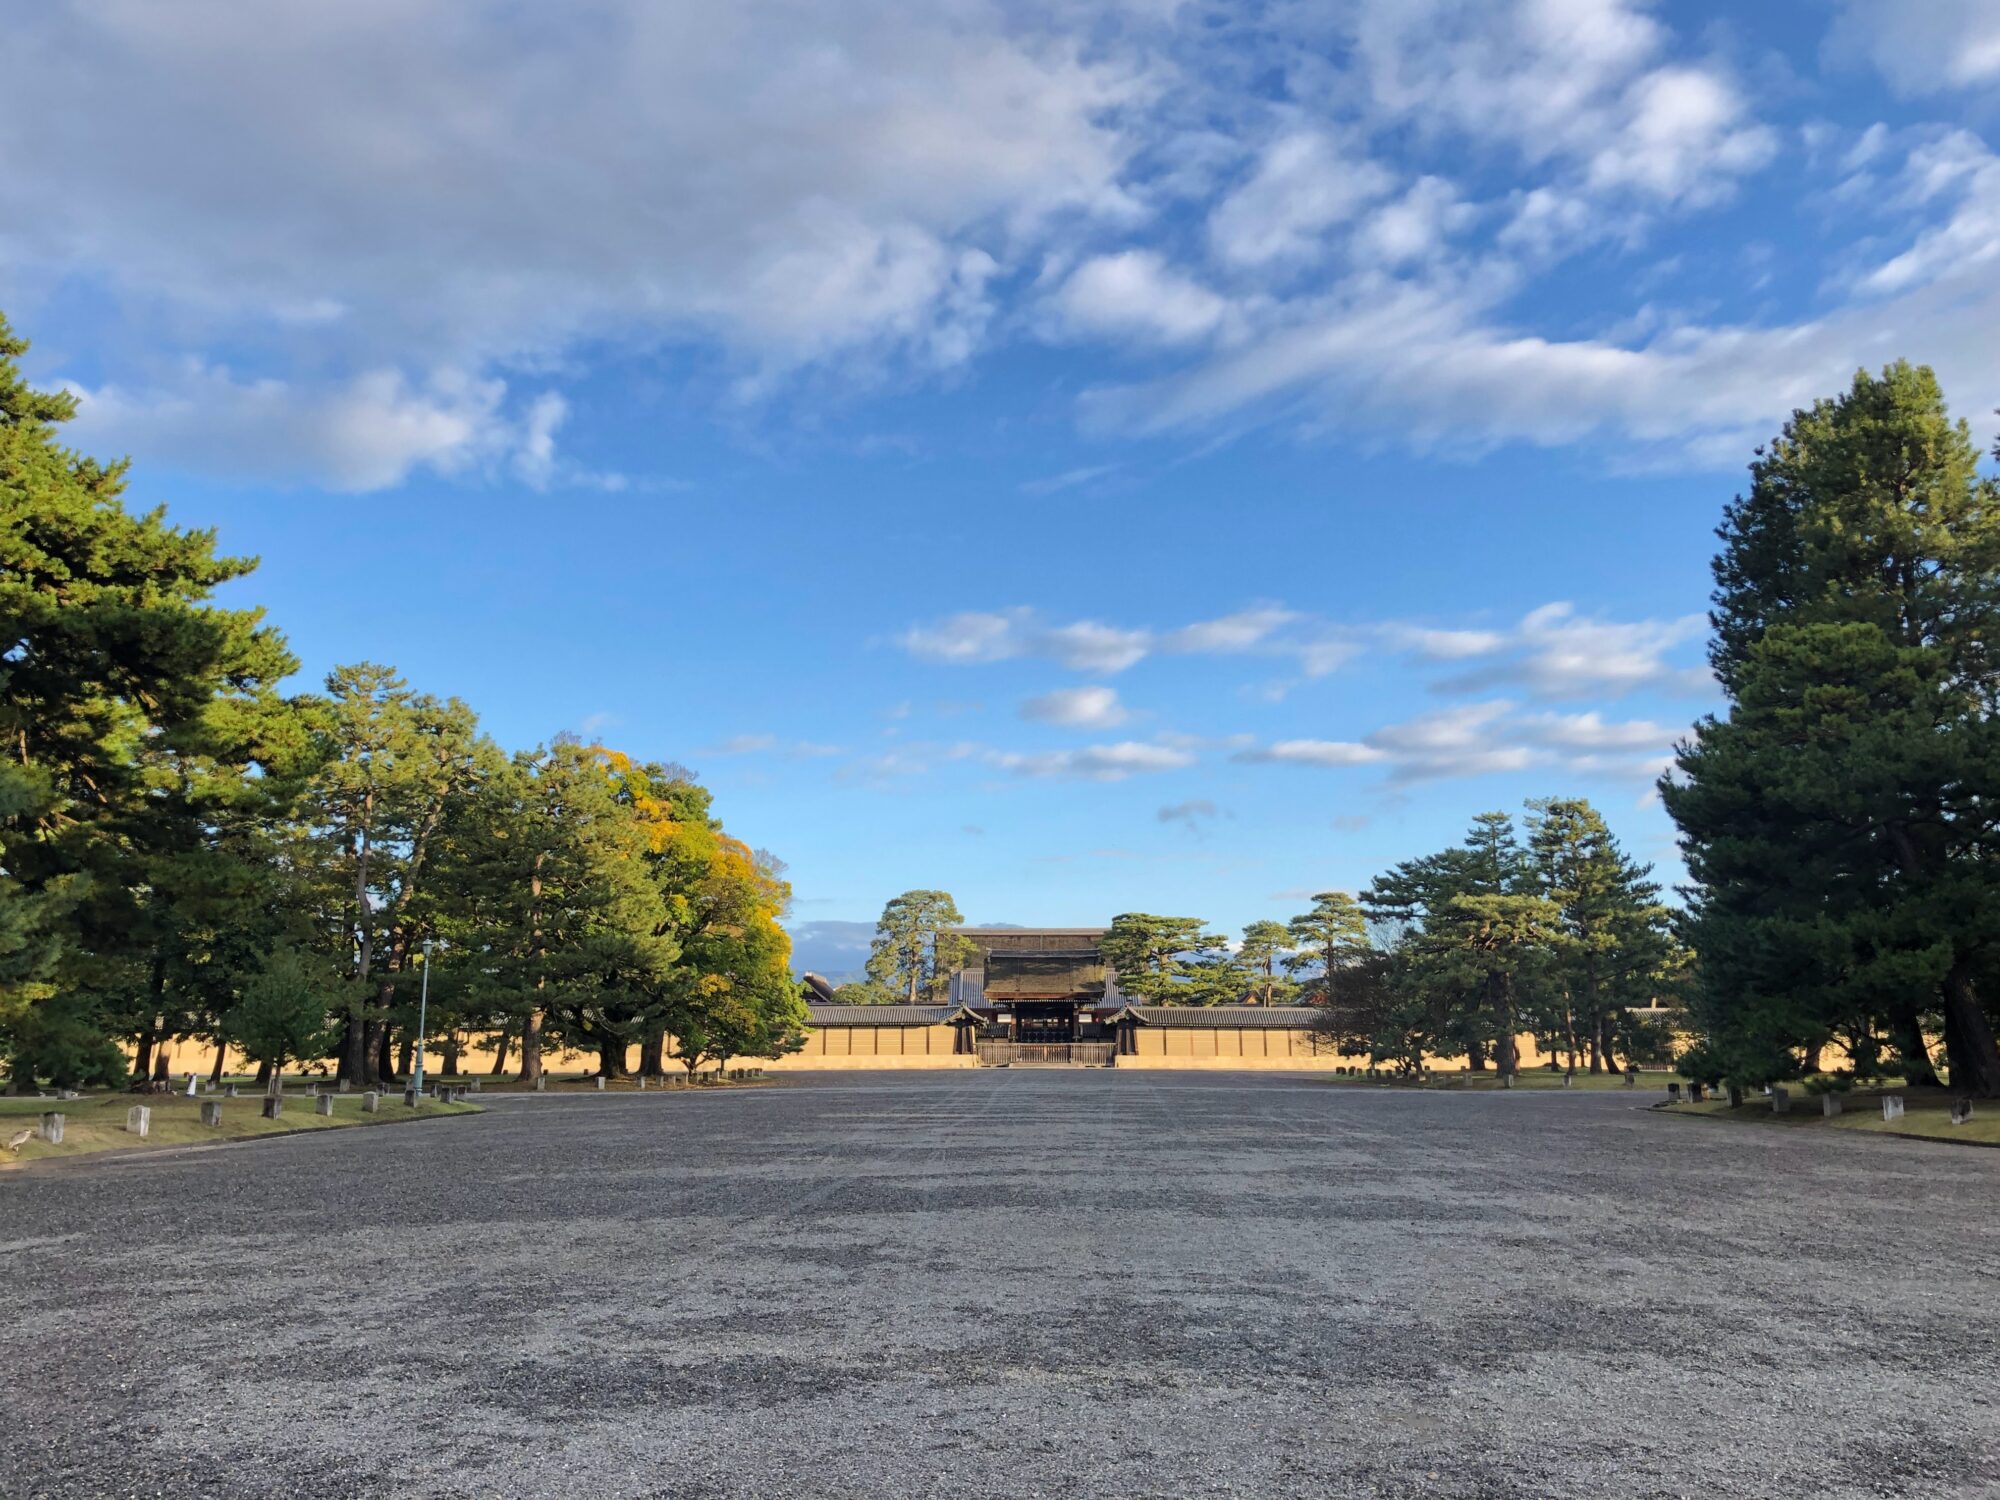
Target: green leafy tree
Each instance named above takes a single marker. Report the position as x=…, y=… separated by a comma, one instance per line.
x=1263, y=953
x=282, y=1014
x=1328, y=940
x=107, y=646
x=1836, y=822
x=1169, y=960
x=1612, y=943
x=866, y=992
x=914, y=952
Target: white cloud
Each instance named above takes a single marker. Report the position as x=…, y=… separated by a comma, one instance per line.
x=1193, y=812
x=1084, y=707
x=1094, y=762
x=975, y=637
x=1416, y=227
x=1134, y=294
x=1477, y=739
x=1241, y=631
x=1303, y=185
x=1920, y=46
x=1312, y=753
x=1090, y=646
x=361, y=434
x=1960, y=169
x=1447, y=645
x=366, y=187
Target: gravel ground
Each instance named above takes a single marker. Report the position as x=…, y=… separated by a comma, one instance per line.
x=1011, y=1283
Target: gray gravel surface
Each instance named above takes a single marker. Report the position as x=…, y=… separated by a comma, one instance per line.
x=1010, y=1283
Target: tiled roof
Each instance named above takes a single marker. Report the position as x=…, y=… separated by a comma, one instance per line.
x=880, y=1015
x=1223, y=1017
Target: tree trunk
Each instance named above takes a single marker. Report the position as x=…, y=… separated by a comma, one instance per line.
x=1970, y=1051
x=611, y=1059
x=1475, y=1056
x=500, y=1053
x=531, y=1047
x=383, y=1071
x=450, y=1050
x=653, y=1055
x=353, y=1064
x=1506, y=1054
x=406, y=1056
x=263, y=1075
x=142, y=1061
x=221, y=1052
x=162, y=1063
x=1906, y=1030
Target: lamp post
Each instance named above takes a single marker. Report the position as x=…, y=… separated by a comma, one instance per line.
x=423, y=1005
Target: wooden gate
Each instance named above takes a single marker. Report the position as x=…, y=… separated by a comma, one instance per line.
x=1047, y=1054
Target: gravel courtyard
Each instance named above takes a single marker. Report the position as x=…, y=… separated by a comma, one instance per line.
x=1011, y=1283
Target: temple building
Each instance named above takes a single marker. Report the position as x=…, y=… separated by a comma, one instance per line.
x=1046, y=997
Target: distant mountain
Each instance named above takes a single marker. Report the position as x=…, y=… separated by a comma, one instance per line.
x=838, y=951
x=835, y=950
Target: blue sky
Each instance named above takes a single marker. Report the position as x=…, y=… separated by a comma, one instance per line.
x=1087, y=456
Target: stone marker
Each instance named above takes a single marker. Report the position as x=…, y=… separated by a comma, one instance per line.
x=1735, y=1096
x=371, y=1102
x=211, y=1112
x=342, y=1085
x=642, y=1081
x=138, y=1120
x=1631, y=1078
x=1961, y=1111
x=600, y=1083
x=409, y=1098
x=1781, y=1101
x=1696, y=1093
x=541, y=1082
x=229, y=1091
x=1829, y=1105
x=1506, y=1079
x=274, y=1106
x=1892, y=1106
x=323, y=1104
x=68, y=1094
x=1674, y=1092
x=475, y=1085
x=1568, y=1079
x=52, y=1128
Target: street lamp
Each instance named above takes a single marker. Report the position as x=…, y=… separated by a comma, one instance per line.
x=423, y=1005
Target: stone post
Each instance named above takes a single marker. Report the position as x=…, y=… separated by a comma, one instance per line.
x=274, y=1106
x=1674, y=1092
x=1696, y=1093
x=409, y=1098
x=1829, y=1105
x=1781, y=1101
x=52, y=1128
x=211, y=1114
x=342, y=1085
x=642, y=1082
x=138, y=1120
x=600, y=1083
x=541, y=1083
x=1961, y=1111
x=323, y=1104
x=1892, y=1106
x=1631, y=1078
x=371, y=1102
x=229, y=1091
x=1735, y=1096
x=1506, y=1079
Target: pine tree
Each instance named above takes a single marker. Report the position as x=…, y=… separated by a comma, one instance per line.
x=110, y=655
x=1837, y=823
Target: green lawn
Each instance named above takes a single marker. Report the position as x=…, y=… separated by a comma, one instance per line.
x=96, y=1122
x=1927, y=1114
